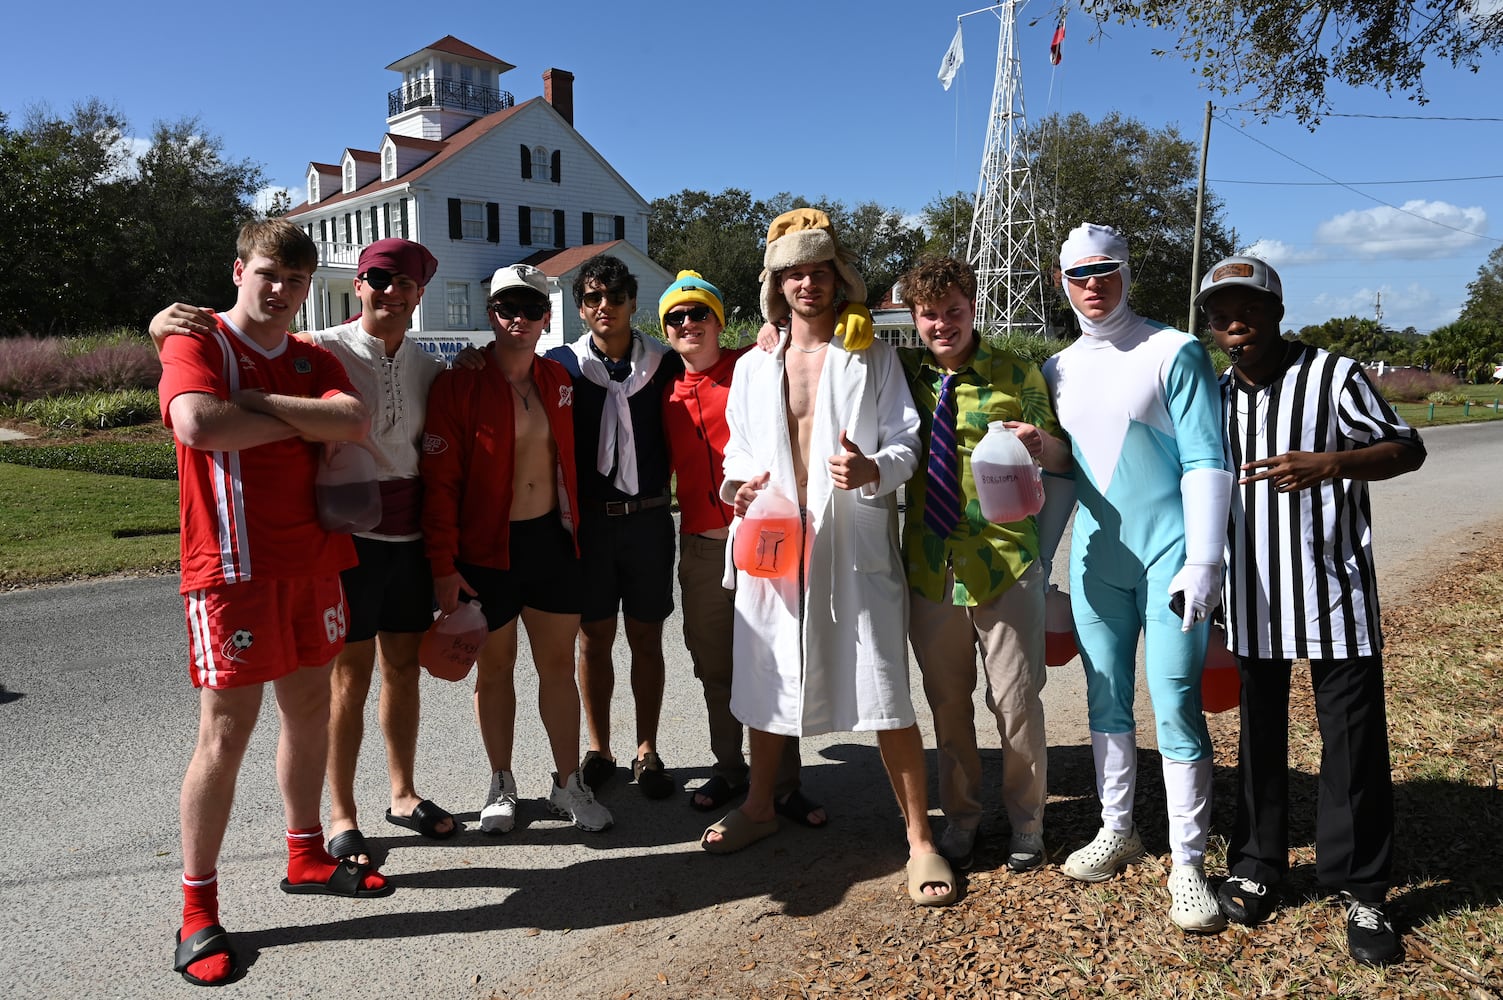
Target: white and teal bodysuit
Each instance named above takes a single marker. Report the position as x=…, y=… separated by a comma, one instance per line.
x=1139, y=401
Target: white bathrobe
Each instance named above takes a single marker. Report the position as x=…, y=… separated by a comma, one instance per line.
x=826, y=653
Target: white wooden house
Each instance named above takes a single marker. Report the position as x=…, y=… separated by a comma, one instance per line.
x=481, y=181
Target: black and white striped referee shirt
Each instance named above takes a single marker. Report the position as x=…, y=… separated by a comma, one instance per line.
x=1300, y=580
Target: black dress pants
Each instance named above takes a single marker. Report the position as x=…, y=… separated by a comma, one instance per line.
x=1354, y=809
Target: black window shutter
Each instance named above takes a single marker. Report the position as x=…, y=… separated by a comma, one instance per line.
x=620, y=227
x=456, y=220
x=402, y=206
x=589, y=228
x=558, y=227
x=323, y=230
x=526, y=163
x=386, y=214
x=524, y=225
x=375, y=225
x=349, y=231
x=492, y=222
x=558, y=163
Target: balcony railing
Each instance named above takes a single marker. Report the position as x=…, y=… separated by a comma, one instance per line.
x=446, y=94
x=338, y=254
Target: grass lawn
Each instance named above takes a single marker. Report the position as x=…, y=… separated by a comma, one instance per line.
x=1480, y=397
x=64, y=525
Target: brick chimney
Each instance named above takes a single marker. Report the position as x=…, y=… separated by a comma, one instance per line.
x=558, y=90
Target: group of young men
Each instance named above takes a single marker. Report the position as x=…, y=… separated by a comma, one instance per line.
x=539, y=486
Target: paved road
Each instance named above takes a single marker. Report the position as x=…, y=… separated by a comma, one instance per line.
x=98, y=726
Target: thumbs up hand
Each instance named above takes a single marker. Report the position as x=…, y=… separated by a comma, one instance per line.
x=850, y=469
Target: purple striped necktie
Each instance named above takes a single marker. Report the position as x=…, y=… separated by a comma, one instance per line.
x=942, y=499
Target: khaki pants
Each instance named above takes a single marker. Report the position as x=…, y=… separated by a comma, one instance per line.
x=709, y=624
x=1009, y=632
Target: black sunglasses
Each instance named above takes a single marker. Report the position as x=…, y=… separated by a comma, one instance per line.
x=698, y=314
x=593, y=299
x=1095, y=269
x=378, y=278
x=508, y=310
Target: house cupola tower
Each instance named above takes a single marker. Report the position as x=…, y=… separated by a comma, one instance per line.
x=444, y=87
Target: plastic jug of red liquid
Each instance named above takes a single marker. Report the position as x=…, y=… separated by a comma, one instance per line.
x=348, y=496
x=1059, y=628
x=453, y=641
x=769, y=539
x=1008, y=483
x=1220, y=683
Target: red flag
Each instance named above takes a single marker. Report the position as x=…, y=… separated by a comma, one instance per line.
x=1055, y=53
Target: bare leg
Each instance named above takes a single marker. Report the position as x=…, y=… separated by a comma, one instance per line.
x=766, y=751
x=903, y=756
x=349, y=685
x=648, y=677
x=303, y=744
x=225, y=721
x=496, y=695
x=597, y=679
x=400, y=704
x=551, y=637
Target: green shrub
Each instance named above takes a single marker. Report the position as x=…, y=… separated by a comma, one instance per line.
x=120, y=408
x=141, y=459
x=1446, y=398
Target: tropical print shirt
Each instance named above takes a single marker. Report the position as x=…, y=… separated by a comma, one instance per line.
x=986, y=558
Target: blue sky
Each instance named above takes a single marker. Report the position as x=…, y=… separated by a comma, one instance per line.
x=817, y=98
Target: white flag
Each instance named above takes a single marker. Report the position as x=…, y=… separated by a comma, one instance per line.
x=954, y=56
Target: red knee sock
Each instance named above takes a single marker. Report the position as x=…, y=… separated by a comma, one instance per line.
x=308, y=861
x=200, y=910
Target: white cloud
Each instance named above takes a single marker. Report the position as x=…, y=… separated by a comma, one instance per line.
x=1423, y=230
x=1281, y=254
x=1411, y=305
x=1483, y=9
x=261, y=200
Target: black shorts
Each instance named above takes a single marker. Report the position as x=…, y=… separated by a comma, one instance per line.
x=391, y=590
x=628, y=565
x=544, y=573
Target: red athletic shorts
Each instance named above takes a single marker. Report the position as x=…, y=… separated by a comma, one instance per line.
x=250, y=633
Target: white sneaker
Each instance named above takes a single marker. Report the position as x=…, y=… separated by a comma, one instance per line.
x=1194, y=906
x=500, y=812
x=576, y=803
x=1101, y=858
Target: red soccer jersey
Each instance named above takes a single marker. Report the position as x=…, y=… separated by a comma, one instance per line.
x=251, y=514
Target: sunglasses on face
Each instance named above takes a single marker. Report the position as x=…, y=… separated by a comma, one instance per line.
x=1095, y=269
x=509, y=310
x=593, y=299
x=381, y=279
x=698, y=314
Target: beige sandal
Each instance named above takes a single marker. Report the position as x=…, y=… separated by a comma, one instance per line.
x=736, y=832
x=931, y=869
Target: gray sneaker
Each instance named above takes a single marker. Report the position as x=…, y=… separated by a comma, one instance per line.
x=957, y=845
x=499, y=814
x=1101, y=858
x=1025, y=852
x=576, y=803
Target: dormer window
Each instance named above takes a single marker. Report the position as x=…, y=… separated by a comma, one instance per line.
x=313, y=187
x=349, y=175
x=389, y=162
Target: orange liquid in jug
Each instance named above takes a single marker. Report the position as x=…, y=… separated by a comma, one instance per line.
x=768, y=546
x=1059, y=648
x=1220, y=684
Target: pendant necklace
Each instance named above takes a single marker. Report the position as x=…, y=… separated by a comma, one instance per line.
x=526, y=396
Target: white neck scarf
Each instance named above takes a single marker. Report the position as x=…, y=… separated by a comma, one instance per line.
x=618, y=443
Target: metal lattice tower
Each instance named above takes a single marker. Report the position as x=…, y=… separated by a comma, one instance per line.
x=1004, y=247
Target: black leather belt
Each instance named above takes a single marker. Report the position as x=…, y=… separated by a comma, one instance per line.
x=617, y=508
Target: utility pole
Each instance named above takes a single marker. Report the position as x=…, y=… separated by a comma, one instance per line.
x=1004, y=245
x=1200, y=208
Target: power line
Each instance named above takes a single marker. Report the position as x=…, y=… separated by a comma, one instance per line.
x=1425, y=180
x=1409, y=118
x=1344, y=184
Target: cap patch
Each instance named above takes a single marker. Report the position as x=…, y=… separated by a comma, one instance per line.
x=1239, y=269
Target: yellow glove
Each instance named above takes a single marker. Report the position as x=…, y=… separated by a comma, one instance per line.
x=854, y=327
